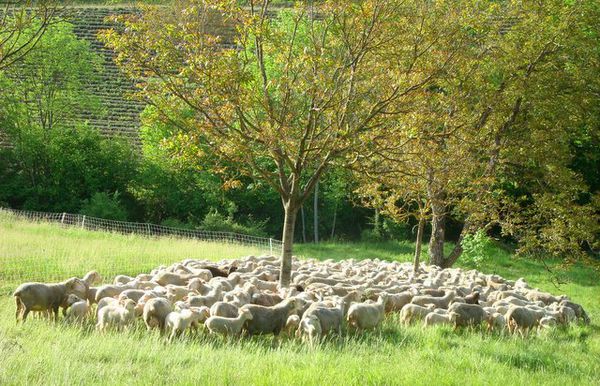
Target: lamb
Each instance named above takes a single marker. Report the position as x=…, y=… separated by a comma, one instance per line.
x=268, y=320
x=462, y=314
x=310, y=327
x=155, y=312
x=207, y=300
x=78, y=309
x=496, y=321
x=178, y=321
x=439, y=302
x=229, y=326
x=366, y=316
x=412, y=312
x=522, y=319
x=224, y=309
x=46, y=297
x=436, y=318
x=119, y=316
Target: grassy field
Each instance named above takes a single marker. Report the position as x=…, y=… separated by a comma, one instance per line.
x=42, y=353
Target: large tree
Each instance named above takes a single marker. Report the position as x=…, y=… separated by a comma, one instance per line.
x=489, y=143
x=281, y=97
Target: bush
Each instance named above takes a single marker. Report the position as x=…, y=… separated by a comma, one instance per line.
x=214, y=221
x=104, y=205
x=474, y=248
x=371, y=236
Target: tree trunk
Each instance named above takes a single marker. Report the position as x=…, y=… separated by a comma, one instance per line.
x=438, y=230
x=303, y=224
x=418, y=243
x=316, y=213
x=376, y=229
x=289, y=223
x=334, y=219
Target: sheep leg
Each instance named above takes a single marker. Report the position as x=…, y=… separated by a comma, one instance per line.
x=19, y=309
x=24, y=314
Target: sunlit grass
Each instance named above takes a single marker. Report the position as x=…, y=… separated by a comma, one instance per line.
x=39, y=352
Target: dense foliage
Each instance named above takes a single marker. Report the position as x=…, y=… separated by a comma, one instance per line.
x=492, y=86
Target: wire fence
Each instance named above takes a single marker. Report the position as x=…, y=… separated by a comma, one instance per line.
x=38, y=254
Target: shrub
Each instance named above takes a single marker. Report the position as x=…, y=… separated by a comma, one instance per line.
x=474, y=248
x=104, y=205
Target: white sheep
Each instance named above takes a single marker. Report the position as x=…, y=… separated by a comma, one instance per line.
x=411, y=312
x=436, y=318
x=228, y=326
x=364, y=316
x=116, y=315
x=309, y=328
x=78, y=310
x=179, y=321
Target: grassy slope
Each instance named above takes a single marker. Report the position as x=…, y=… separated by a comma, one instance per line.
x=41, y=353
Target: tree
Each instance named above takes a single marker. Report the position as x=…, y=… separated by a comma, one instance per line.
x=283, y=97
x=22, y=25
x=486, y=143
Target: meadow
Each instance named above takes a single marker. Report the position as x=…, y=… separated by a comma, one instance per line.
x=39, y=352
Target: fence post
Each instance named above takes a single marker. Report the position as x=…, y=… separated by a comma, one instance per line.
x=62, y=218
x=83, y=222
x=271, y=245
x=148, y=227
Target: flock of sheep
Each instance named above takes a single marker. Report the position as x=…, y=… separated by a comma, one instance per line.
x=235, y=296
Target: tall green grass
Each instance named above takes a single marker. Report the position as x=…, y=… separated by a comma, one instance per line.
x=40, y=251
x=39, y=352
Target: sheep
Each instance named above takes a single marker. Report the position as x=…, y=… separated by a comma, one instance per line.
x=207, y=300
x=435, y=318
x=265, y=299
x=439, y=302
x=268, y=320
x=46, y=297
x=178, y=321
x=155, y=311
x=110, y=290
x=366, y=316
x=522, y=319
x=224, y=309
x=78, y=309
x=92, y=278
x=133, y=294
x=472, y=298
x=330, y=318
x=543, y=296
x=397, y=301
x=547, y=322
x=119, y=316
x=496, y=321
x=310, y=328
x=411, y=312
x=122, y=280
x=229, y=326
x=579, y=311
x=462, y=314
